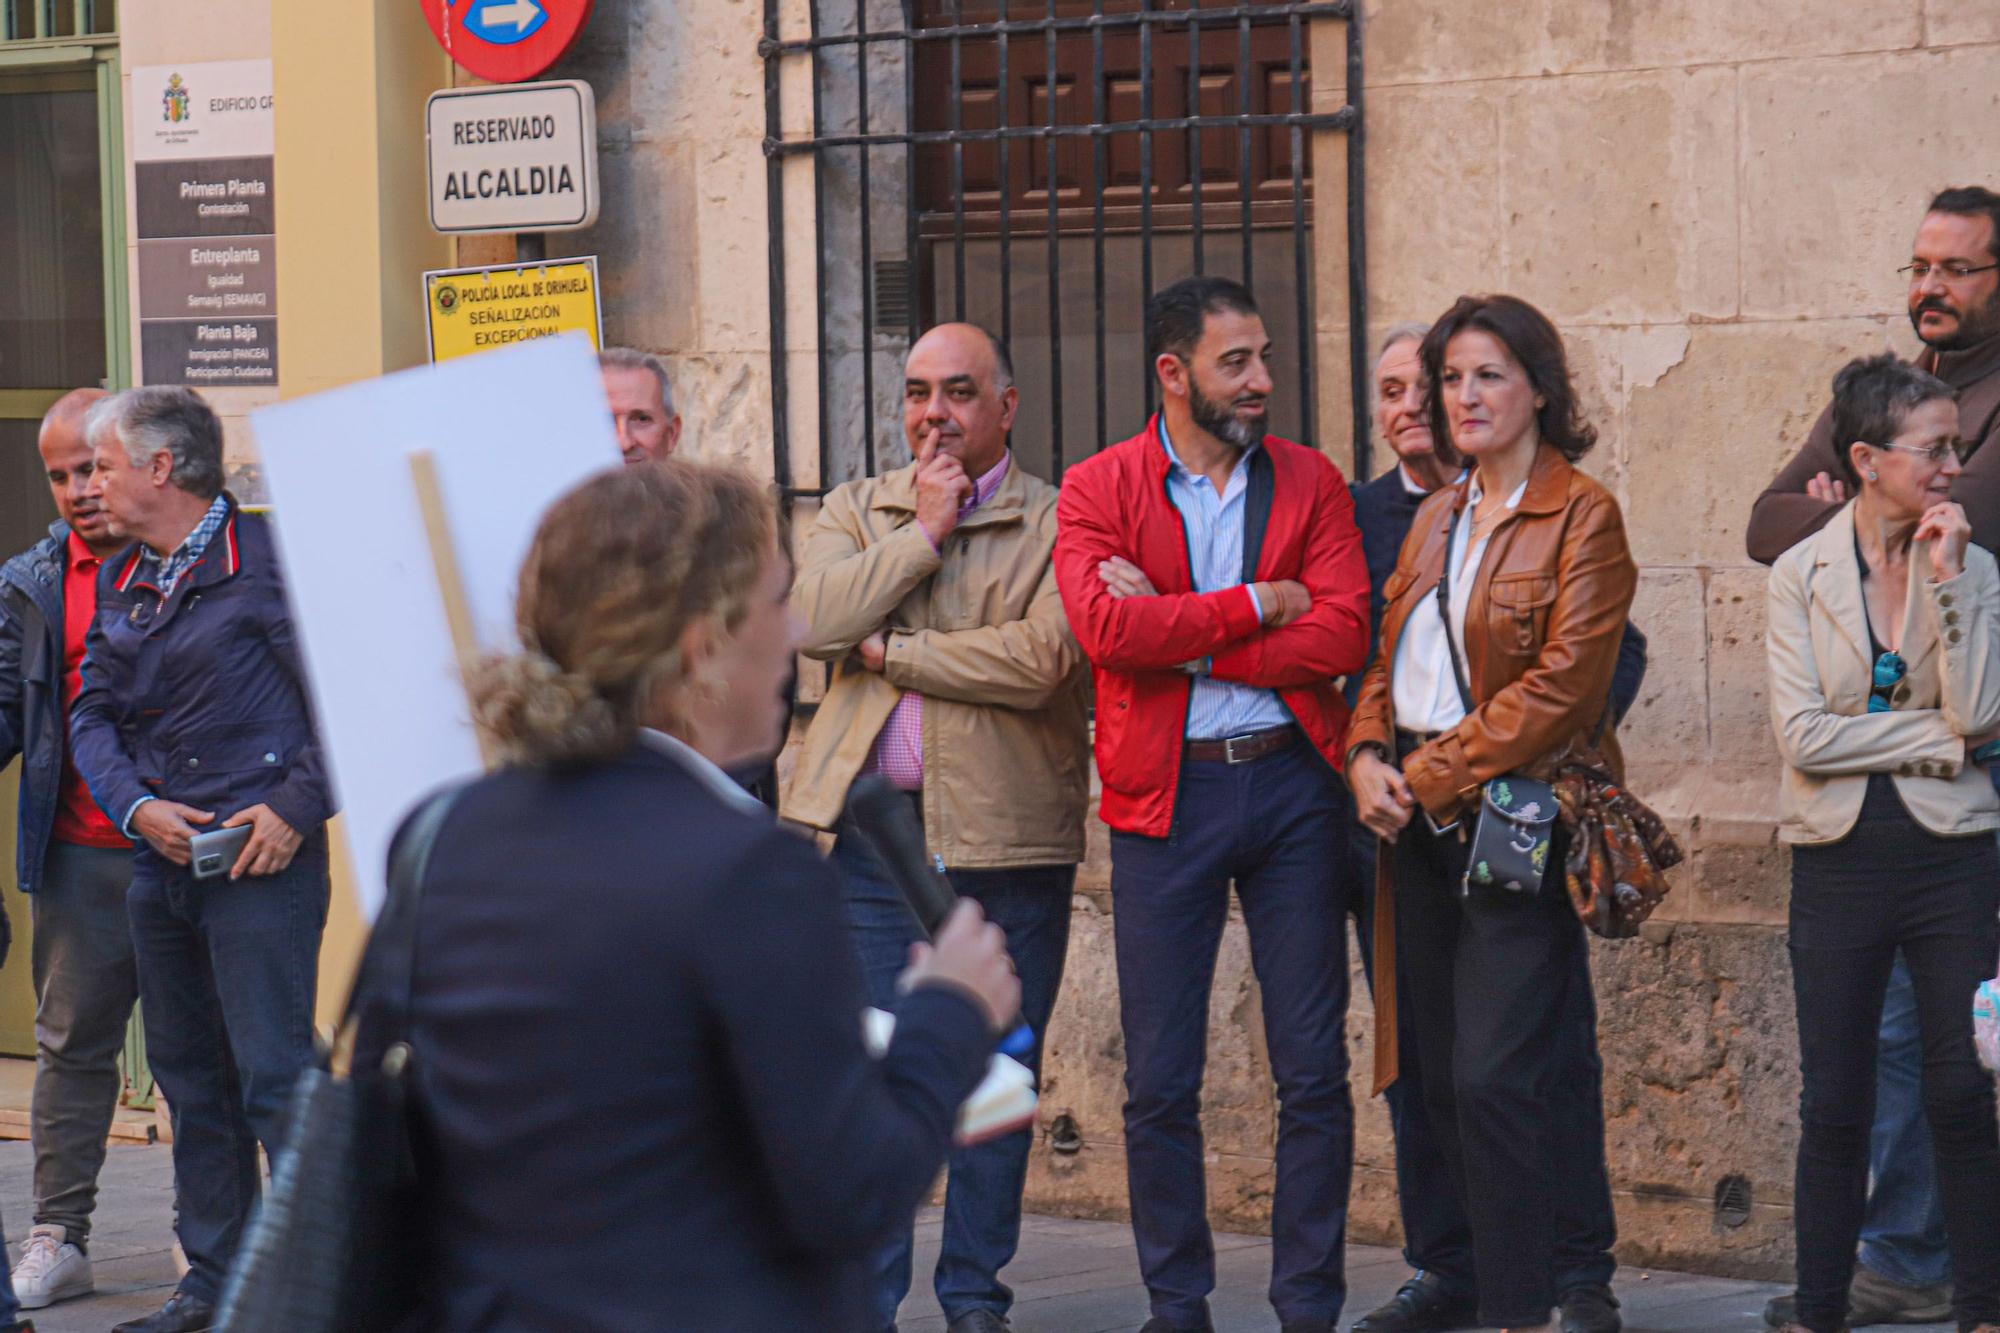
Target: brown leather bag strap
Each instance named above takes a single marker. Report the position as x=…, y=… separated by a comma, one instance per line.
x=1387, y=1064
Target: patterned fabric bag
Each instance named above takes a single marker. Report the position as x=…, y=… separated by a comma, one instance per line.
x=1619, y=850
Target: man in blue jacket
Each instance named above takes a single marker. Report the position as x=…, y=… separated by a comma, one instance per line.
x=72, y=862
x=194, y=715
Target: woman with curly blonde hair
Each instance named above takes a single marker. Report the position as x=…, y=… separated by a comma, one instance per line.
x=637, y=1063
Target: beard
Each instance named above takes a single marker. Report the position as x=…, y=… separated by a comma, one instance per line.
x=1222, y=422
x=1975, y=325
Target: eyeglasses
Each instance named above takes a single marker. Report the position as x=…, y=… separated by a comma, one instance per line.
x=1890, y=668
x=1933, y=454
x=1949, y=272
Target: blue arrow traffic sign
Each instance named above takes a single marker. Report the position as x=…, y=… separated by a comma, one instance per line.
x=501, y=22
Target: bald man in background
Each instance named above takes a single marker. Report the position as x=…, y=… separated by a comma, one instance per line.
x=73, y=863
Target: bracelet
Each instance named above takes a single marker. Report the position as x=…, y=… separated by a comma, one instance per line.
x=1375, y=746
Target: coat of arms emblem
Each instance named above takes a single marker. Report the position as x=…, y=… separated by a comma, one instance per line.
x=174, y=102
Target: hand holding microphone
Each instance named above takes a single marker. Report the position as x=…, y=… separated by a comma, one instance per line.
x=969, y=953
x=883, y=817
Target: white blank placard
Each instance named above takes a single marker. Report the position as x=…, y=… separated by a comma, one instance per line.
x=511, y=430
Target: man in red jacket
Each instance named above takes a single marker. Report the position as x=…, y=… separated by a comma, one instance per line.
x=1214, y=577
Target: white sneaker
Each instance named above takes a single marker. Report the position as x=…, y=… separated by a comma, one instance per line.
x=51, y=1269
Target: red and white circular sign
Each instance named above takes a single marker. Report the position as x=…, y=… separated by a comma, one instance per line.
x=507, y=41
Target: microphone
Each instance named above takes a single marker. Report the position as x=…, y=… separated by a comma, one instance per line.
x=882, y=816
x=880, y=812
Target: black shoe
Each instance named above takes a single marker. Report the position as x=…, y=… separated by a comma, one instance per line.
x=980, y=1321
x=1160, y=1324
x=1306, y=1326
x=1590, y=1310
x=23, y=1326
x=181, y=1314
x=1423, y=1305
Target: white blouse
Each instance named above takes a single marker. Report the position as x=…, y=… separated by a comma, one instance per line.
x=1422, y=688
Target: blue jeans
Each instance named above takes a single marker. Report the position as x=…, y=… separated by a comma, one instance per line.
x=1270, y=827
x=227, y=974
x=982, y=1205
x=1903, y=1237
x=10, y=1308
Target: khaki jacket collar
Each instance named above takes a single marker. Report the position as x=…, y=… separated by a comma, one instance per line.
x=896, y=492
x=1836, y=587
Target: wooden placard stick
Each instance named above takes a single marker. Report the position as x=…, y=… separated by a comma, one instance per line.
x=444, y=563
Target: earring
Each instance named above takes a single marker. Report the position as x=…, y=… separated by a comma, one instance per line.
x=1873, y=475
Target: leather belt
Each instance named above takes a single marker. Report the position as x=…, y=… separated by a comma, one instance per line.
x=1246, y=748
x=1409, y=742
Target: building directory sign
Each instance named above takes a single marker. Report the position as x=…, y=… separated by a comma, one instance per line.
x=202, y=145
x=478, y=309
x=506, y=41
x=518, y=158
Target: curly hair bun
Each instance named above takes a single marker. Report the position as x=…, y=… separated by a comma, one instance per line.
x=541, y=713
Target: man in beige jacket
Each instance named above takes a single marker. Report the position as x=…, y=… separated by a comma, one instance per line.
x=954, y=675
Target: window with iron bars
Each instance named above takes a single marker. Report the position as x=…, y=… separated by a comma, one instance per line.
x=44, y=20
x=1039, y=167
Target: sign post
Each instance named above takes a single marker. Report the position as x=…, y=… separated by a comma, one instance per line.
x=506, y=41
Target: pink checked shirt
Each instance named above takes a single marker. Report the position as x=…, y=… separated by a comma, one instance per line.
x=898, y=754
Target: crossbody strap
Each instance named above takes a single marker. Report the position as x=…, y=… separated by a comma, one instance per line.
x=1444, y=615
x=383, y=981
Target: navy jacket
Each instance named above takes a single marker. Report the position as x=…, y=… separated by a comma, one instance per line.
x=641, y=1093
x=201, y=698
x=31, y=692
x=1384, y=510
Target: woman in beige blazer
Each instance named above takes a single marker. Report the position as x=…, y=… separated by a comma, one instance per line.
x=1884, y=652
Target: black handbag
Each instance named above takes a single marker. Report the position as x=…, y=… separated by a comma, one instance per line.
x=333, y=1249
x=1513, y=830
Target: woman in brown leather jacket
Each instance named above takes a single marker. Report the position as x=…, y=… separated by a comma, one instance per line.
x=1539, y=584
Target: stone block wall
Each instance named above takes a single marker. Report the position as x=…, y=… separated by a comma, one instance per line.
x=1710, y=198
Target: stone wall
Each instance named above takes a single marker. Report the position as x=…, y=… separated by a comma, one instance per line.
x=1710, y=197
x=681, y=237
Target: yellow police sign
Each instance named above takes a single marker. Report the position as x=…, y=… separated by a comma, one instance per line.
x=478, y=309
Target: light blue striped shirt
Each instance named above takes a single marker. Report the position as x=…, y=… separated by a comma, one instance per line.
x=1214, y=523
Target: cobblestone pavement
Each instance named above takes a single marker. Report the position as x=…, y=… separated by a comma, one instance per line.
x=1070, y=1277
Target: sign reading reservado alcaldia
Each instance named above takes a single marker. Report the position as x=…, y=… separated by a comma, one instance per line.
x=518, y=158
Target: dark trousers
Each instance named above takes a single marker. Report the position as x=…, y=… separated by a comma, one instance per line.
x=85, y=987
x=1491, y=981
x=1902, y=1236
x=982, y=1205
x=227, y=974
x=1266, y=826
x=1437, y=1237
x=1890, y=885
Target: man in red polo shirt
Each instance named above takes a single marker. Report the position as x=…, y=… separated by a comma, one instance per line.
x=73, y=864
x=1213, y=574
